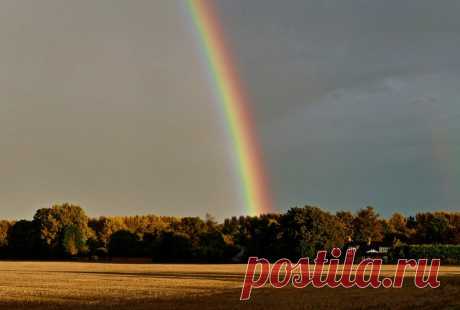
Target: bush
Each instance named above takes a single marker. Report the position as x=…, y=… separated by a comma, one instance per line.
x=449, y=254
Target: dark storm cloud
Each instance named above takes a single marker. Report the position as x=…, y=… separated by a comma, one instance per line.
x=356, y=101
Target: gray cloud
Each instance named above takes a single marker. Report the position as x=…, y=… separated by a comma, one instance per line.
x=334, y=85
x=107, y=103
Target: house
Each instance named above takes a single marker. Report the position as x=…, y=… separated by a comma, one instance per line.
x=369, y=249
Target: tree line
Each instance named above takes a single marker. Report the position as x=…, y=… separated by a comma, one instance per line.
x=65, y=231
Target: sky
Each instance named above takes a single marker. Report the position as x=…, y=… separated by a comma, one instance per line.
x=107, y=104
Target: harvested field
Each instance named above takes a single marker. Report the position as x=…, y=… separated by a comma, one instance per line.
x=73, y=285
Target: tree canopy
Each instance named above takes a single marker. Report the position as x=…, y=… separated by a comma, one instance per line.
x=66, y=231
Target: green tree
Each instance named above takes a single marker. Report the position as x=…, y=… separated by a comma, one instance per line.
x=73, y=241
x=432, y=228
x=309, y=229
x=52, y=222
x=214, y=248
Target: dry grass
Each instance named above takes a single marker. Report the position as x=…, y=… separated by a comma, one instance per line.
x=71, y=285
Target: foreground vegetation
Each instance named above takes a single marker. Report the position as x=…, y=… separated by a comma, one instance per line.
x=65, y=231
x=88, y=286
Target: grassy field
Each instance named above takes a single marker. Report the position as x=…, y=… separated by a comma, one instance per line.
x=72, y=285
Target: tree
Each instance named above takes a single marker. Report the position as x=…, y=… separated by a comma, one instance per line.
x=214, y=247
x=432, y=228
x=264, y=236
x=74, y=241
x=367, y=226
x=5, y=226
x=23, y=240
x=211, y=223
x=174, y=246
x=65, y=230
x=454, y=222
x=309, y=229
x=397, y=228
x=104, y=228
x=124, y=243
x=346, y=218
x=52, y=222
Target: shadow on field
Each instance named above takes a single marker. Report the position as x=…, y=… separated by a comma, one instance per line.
x=163, y=275
x=409, y=297
x=172, y=275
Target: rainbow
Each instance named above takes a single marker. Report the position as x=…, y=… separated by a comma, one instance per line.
x=232, y=99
